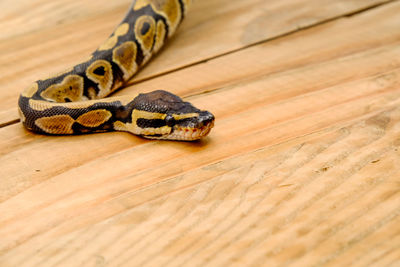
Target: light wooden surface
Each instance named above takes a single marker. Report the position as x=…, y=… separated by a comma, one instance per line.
x=302, y=168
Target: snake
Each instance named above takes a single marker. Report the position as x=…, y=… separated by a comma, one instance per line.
x=76, y=101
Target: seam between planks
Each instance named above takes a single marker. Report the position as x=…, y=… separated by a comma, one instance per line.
x=277, y=37
x=299, y=29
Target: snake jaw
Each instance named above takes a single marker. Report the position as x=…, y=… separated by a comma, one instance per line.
x=190, y=134
x=189, y=129
x=185, y=134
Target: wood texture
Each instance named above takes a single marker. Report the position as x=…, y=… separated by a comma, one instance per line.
x=302, y=168
x=79, y=28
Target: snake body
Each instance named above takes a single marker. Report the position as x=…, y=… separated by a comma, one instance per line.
x=74, y=102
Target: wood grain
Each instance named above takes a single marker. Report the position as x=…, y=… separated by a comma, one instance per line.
x=300, y=170
x=30, y=53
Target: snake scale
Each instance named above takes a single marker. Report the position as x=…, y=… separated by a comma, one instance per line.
x=74, y=102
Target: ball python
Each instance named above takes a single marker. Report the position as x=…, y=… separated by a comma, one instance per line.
x=74, y=102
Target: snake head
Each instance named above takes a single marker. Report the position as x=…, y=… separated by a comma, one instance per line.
x=163, y=115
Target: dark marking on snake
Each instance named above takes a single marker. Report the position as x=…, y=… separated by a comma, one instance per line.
x=74, y=102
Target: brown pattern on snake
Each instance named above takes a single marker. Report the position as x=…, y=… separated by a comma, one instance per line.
x=69, y=103
x=145, y=29
x=125, y=57
x=94, y=118
x=160, y=36
x=57, y=124
x=69, y=90
x=169, y=8
x=112, y=41
x=101, y=73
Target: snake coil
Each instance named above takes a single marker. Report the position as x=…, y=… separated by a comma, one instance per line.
x=74, y=102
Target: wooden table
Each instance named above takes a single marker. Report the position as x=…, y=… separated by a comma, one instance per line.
x=301, y=169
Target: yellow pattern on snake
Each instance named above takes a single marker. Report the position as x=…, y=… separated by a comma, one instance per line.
x=73, y=101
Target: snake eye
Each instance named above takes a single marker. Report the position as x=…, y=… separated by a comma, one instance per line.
x=170, y=120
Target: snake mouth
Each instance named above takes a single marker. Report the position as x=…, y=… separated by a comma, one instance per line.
x=193, y=128
x=190, y=134
x=190, y=129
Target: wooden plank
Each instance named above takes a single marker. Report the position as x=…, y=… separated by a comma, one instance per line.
x=301, y=168
x=54, y=48
x=29, y=16
x=256, y=86
x=234, y=205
